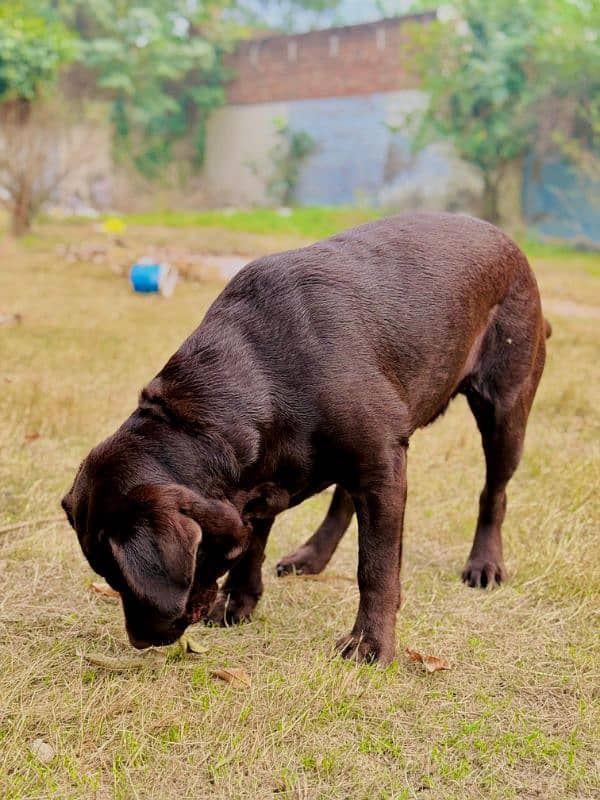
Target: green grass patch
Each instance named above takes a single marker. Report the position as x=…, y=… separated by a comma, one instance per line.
x=311, y=222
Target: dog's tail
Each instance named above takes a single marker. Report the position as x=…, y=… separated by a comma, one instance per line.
x=548, y=328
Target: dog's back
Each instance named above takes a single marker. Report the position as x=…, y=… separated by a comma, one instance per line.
x=404, y=302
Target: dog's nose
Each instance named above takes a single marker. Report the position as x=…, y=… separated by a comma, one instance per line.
x=139, y=644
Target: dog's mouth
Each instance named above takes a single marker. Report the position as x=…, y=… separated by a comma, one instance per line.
x=144, y=644
x=199, y=603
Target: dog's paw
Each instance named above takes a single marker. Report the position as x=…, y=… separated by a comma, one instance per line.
x=365, y=649
x=231, y=609
x=484, y=572
x=304, y=561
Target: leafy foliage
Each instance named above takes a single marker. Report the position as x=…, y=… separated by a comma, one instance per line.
x=493, y=73
x=159, y=65
x=287, y=156
x=32, y=51
x=568, y=58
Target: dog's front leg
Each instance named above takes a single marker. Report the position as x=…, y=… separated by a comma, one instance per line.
x=380, y=511
x=243, y=586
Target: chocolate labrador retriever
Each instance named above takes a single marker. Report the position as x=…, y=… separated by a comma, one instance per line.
x=313, y=368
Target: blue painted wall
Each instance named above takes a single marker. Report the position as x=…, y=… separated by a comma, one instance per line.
x=560, y=202
x=352, y=146
x=354, y=142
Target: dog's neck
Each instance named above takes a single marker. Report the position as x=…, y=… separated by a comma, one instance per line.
x=217, y=413
x=200, y=459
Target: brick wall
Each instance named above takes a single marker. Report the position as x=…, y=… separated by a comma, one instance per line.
x=353, y=60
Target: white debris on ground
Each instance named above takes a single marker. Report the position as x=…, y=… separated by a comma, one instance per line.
x=190, y=265
x=42, y=750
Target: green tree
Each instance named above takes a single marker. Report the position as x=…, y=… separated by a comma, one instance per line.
x=568, y=61
x=158, y=63
x=32, y=51
x=495, y=71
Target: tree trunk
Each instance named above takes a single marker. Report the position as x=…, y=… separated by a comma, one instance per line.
x=15, y=117
x=491, y=212
x=16, y=112
x=21, y=210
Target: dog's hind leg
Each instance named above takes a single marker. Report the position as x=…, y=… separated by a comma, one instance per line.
x=315, y=553
x=501, y=412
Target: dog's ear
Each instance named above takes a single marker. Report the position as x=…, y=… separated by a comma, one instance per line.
x=164, y=525
x=157, y=551
x=221, y=523
x=67, y=507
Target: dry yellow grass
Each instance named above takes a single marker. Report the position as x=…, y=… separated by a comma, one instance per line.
x=516, y=716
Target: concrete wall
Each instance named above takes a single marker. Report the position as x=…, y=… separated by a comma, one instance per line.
x=362, y=155
x=237, y=165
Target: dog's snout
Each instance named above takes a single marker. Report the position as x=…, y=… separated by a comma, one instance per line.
x=139, y=644
x=153, y=632
x=142, y=641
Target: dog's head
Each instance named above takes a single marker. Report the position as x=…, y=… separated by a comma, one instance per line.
x=161, y=545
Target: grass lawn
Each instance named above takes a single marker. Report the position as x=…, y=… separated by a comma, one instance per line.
x=516, y=716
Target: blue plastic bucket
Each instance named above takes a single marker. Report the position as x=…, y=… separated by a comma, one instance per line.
x=151, y=277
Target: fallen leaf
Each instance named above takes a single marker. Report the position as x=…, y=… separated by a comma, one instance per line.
x=42, y=751
x=105, y=590
x=431, y=663
x=237, y=677
x=189, y=645
x=414, y=655
x=126, y=663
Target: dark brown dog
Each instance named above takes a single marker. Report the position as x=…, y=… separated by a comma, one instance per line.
x=313, y=368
